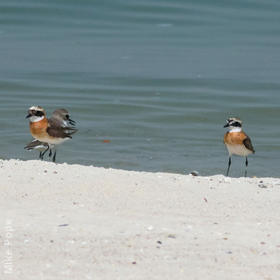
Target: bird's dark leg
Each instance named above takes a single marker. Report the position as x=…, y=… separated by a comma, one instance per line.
x=229, y=163
x=54, y=156
x=246, y=163
x=50, y=153
x=42, y=154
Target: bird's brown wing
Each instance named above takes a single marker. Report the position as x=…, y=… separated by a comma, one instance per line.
x=248, y=144
x=58, y=132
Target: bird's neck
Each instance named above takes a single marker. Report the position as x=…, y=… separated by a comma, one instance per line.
x=34, y=119
x=39, y=125
x=235, y=129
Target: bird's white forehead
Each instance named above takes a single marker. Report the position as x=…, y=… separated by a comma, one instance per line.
x=36, y=108
x=234, y=120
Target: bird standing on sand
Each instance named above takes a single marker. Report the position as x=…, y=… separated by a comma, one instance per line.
x=49, y=132
x=237, y=142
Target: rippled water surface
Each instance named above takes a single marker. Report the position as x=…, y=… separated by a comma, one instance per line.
x=149, y=83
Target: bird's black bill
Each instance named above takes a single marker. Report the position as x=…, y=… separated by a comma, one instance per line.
x=226, y=125
x=72, y=122
x=28, y=116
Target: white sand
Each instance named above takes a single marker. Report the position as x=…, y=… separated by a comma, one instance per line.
x=62, y=221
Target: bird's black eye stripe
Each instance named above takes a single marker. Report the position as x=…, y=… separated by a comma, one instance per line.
x=39, y=113
x=237, y=124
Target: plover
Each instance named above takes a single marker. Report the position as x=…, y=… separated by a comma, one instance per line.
x=237, y=141
x=49, y=132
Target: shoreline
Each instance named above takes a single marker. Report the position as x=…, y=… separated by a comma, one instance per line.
x=68, y=221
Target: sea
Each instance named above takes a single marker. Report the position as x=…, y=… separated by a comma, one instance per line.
x=150, y=83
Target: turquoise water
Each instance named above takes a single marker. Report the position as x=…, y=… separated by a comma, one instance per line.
x=156, y=78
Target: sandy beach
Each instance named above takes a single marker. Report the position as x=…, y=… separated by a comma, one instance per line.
x=61, y=221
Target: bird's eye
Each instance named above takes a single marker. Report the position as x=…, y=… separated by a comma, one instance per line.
x=39, y=113
x=67, y=117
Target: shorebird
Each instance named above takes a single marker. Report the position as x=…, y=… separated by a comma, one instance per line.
x=60, y=117
x=237, y=141
x=49, y=132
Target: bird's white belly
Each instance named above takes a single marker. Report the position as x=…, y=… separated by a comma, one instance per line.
x=239, y=150
x=53, y=140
